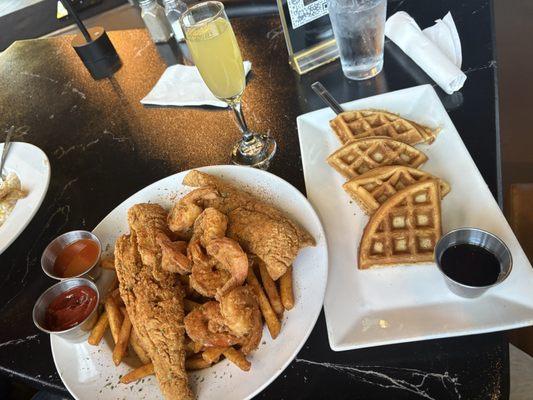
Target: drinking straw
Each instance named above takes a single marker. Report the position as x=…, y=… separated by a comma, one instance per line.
x=77, y=19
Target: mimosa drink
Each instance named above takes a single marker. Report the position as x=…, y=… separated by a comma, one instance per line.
x=216, y=54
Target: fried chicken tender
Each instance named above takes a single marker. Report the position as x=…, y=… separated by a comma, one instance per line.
x=259, y=227
x=153, y=298
x=275, y=243
x=147, y=222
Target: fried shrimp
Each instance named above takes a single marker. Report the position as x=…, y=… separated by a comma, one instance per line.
x=182, y=216
x=205, y=277
x=230, y=257
x=211, y=224
x=205, y=325
x=173, y=255
x=242, y=316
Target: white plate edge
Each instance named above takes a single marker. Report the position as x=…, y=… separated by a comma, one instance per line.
x=18, y=231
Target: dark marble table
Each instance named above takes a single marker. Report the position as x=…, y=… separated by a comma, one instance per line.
x=104, y=145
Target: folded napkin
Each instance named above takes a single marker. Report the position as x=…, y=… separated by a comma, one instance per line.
x=182, y=85
x=437, y=49
x=444, y=34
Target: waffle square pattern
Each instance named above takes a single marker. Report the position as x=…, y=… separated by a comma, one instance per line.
x=362, y=155
x=364, y=123
x=405, y=229
x=374, y=187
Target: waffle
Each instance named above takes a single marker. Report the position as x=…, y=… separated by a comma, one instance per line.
x=362, y=155
x=373, y=188
x=405, y=229
x=364, y=123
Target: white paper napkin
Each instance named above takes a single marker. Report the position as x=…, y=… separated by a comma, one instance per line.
x=437, y=49
x=444, y=34
x=182, y=85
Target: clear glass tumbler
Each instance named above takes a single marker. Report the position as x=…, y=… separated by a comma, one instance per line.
x=359, y=27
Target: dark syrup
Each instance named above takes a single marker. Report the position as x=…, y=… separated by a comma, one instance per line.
x=470, y=265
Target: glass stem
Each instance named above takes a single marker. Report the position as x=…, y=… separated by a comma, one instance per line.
x=237, y=110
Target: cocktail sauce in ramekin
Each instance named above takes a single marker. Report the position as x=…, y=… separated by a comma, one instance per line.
x=76, y=258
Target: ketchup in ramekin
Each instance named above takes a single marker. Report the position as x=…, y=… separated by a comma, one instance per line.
x=70, y=308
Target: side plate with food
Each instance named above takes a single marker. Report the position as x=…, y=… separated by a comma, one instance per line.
x=27, y=171
x=408, y=299
x=89, y=370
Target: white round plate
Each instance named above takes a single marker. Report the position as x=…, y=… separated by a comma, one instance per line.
x=33, y=168
x=89, y=373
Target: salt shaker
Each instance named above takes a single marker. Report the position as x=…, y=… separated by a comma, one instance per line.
x=173, y=11
x=154, y=18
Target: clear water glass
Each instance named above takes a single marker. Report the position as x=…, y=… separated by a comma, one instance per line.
x=359, y=28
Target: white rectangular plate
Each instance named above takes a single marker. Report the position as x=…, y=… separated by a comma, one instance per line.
x=409, y=303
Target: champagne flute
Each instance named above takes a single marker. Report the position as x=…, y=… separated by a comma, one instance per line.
x=215, y=51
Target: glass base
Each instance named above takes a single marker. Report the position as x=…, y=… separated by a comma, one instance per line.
x=359, y=74
x=256, y=152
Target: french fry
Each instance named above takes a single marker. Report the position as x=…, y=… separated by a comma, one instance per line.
x=190, y=305
x=108, y=263
x=285, y=288
x=123, y=340
x=196, y=362
x=212, y=354
x=98, y=330
x=237, y=358
x=115, y=317
x=270, y=289
x=271, y=319
x=138, y=348
x=138, y=373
